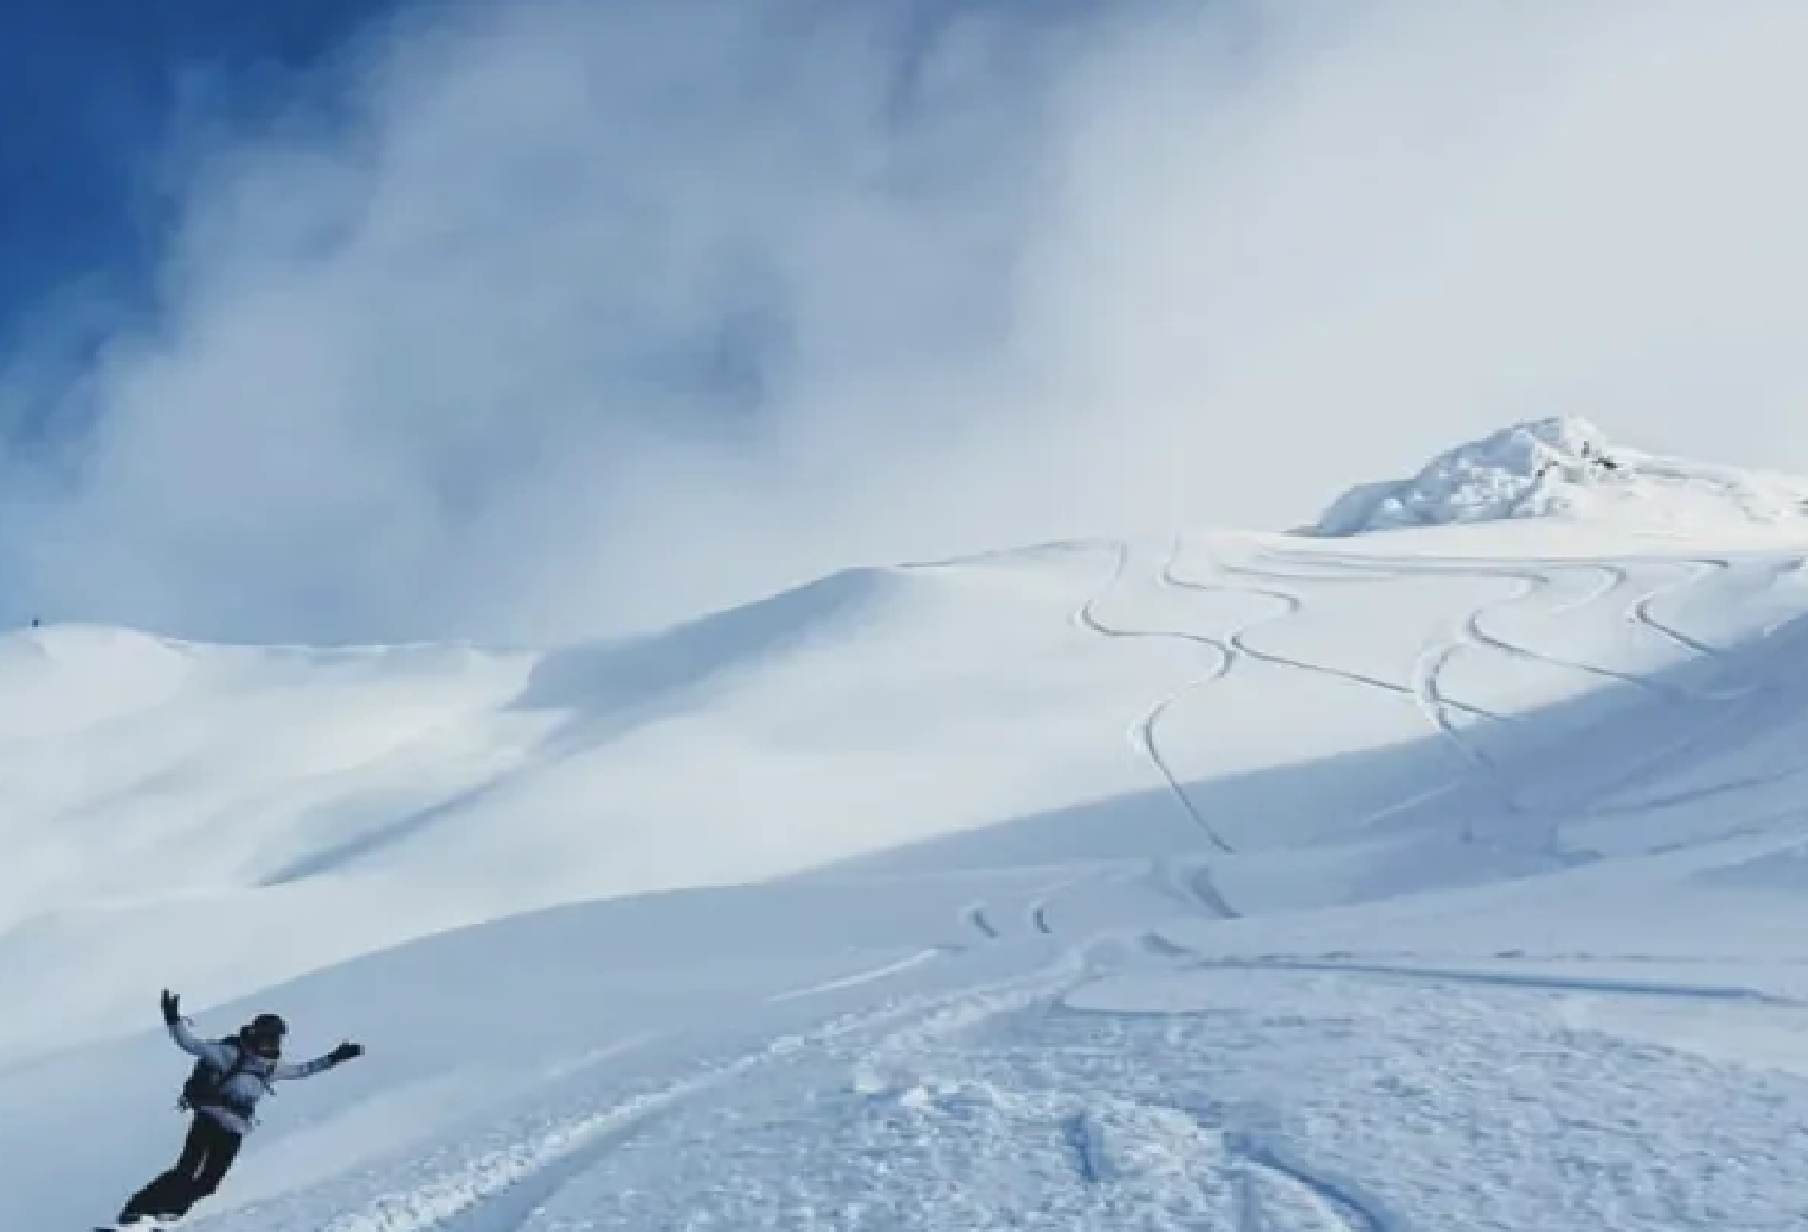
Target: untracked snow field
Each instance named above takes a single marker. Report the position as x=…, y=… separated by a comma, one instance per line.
x=1441, y=877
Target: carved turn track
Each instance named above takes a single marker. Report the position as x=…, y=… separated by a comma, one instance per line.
x=1145, y=733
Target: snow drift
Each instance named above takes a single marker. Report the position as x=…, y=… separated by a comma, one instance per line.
x=1565, y=468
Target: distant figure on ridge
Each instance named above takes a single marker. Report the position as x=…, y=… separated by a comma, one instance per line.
x=229, y=1078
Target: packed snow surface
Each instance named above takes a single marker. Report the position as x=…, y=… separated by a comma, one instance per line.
x=1454, y=878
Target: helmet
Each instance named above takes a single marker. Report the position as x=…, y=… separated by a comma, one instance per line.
x=264, y=1034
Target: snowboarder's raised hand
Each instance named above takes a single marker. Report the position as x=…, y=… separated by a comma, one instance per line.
x=172, y=1012
x=345, y=1052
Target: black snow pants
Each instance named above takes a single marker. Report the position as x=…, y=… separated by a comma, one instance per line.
x=206, y=1156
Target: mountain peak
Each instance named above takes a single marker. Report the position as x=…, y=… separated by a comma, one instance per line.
x=1564, y=467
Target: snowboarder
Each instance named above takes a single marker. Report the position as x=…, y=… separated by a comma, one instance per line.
x=229, y=1078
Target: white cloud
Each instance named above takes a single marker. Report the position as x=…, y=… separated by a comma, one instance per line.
x=579, y=315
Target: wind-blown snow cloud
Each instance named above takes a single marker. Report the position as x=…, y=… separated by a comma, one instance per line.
x=567, y=316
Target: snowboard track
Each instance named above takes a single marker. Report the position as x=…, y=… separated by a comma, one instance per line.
x=1539, y=574
x=981, y=921
x=1145, y=732
x=1291, y=605
x=1533, y=576
x=501, y=1189
x=1340, y=1206
x=1424, y=688
x=1082, y=1136
x=1530, y=981
x=504, y=1189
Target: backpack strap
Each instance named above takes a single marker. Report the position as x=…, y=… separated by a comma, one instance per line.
x=216, y=1086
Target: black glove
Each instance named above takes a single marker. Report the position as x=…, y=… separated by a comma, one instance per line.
x=345, y=1052
x=172, y=1011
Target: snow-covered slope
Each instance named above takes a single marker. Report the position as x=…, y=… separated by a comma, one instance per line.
x=1444, y=878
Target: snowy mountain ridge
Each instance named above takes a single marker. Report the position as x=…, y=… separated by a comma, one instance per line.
x=1564, y=467
x=1222, y=881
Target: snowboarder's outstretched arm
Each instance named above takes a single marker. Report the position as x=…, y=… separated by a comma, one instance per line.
x=288, y=1071
x=221, y=1056
x=217, y=1055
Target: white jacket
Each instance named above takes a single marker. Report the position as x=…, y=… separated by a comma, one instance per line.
x=252, y=1081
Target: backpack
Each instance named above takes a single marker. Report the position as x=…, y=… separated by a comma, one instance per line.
x=206, y=1085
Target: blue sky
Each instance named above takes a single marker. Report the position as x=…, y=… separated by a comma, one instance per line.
x=89, y=91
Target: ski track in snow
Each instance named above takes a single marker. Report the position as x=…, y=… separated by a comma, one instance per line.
x=1331, y=1206
x=1292, y=605
x=1228, y=649
x=1535, y=981
x=874, y=975
x=981, y=920
x=1436, y=704
x=1614, y=578
x=1145, y=1116
x=1274, y=1191
x=503, y=1189
x=1532, y=577
x=1144, y=732
x=1423, y=687
x=1535, y=576
x=1472, y=634
x=1694, y=573
x=1036, y=908
x=1244, y=1109
x=1740, y=706
x=1416, y=1106
x=1040, y=907
x=1538, y=574
x=1088, y=1158
x=1731, y=705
